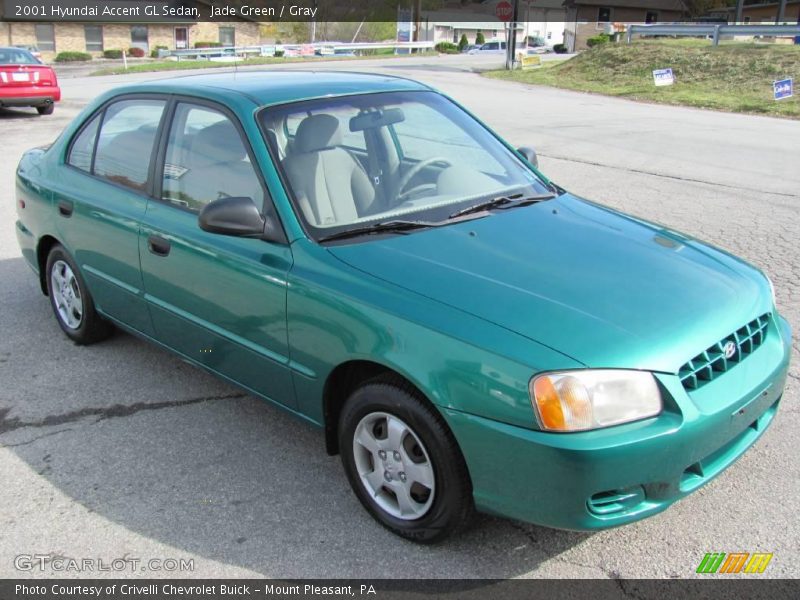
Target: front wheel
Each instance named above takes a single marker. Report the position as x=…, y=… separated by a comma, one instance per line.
x=71, y=302
x=403, y=463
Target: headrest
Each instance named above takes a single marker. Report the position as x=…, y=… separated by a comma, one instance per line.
x=218, y=143
x=317, y=132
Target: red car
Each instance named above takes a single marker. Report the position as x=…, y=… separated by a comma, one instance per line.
x=25, y=81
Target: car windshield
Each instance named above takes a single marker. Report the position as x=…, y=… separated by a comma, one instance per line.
x=356, y=161
x=17, y=56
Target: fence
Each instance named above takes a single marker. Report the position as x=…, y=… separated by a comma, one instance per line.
x=325, y=48
x=715, y=31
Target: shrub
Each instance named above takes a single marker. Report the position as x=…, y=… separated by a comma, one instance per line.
x=136, y=52
x=463, y=42
x=446, y=48
x=560, y=49
x=479, y=39
x=278, y=53
x=597, y=40
x=72, y=57
x=112, y=53
x=154, y=51
x=207, y=45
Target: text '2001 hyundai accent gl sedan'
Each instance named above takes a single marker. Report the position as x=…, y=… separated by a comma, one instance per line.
x=362, y=251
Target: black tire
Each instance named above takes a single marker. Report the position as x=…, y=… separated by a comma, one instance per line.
x=90, y=327
x=46, y=110
x=452, y=506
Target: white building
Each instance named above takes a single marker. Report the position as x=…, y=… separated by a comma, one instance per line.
x=537, y=19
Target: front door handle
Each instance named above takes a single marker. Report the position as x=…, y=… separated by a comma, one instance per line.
x=158, y=245
x=65, y=208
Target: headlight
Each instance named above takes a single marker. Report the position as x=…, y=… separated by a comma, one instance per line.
x=593, y=398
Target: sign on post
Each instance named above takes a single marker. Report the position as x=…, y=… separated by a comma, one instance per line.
x=504, y=10
x=663, y=77
x=782, y=89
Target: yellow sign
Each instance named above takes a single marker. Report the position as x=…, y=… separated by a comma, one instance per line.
x=530, y=61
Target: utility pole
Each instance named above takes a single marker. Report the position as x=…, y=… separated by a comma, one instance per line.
x=511, y=43
x=781, y=13
x=417, y=20
x=739, y=5
x=314, y=24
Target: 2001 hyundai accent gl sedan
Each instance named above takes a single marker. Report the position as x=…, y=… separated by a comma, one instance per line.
x=362, y=251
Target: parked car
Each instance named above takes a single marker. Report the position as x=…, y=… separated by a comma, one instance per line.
x=32, y=49
x=469, y=48
x=361, y=251
x=25, y=81
x=490, y=48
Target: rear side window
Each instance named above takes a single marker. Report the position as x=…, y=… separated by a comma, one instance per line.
x=80, y=154
x=126, y=141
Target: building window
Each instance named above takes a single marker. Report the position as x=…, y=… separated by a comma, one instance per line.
x=549, y=35
x=651, y=17
x=139, y=37
x=94, y=38
x=604, y=14
x=45, y=37
x=227, y=36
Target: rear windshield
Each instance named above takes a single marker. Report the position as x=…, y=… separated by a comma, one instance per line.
x=17, y=56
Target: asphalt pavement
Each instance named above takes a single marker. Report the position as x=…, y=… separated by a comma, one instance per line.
x=122, y=450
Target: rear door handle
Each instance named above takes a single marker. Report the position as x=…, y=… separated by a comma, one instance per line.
x=158, y=245
x=65, y=208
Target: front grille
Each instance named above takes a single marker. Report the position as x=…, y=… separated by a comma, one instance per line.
x=711, y=363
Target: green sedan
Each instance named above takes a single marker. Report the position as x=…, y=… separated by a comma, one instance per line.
x=363, y=252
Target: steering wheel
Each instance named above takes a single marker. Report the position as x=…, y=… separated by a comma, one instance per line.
x=416, y=169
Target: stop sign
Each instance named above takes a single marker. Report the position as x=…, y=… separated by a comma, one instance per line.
x=504, y=10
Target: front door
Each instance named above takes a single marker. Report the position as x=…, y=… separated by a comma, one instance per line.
x=219, y=300
x=181, y=38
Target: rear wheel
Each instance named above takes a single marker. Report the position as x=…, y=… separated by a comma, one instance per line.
x=71, y=302
x=403, y=463
x=46, y=110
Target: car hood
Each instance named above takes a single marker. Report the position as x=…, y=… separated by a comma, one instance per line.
x=604, y=288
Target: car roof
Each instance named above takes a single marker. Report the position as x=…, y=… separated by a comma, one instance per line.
x=266, y=87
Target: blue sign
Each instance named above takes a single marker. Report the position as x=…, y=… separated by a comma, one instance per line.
x=663, y=77
x=782, y=89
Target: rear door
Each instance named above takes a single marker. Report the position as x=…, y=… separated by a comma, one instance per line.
x=219, y=300
x=100, y=200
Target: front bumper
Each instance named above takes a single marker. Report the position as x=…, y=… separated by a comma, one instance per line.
x=609, y=477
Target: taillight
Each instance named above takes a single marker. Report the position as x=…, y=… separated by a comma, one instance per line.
x=3, y=77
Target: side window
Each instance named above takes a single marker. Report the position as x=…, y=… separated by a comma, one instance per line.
x=80, y=154
x=206, y=159
x=126, y=141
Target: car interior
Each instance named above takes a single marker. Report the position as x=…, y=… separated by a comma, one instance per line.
x=345, y=168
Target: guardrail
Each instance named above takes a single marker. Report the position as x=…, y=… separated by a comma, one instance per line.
x=325, y=48
x=712, y=30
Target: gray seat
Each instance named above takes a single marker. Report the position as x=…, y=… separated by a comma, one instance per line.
x=217, y=168
x=329, y=183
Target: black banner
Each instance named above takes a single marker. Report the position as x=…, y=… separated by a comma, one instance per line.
x=156, y=11
x=713, y=587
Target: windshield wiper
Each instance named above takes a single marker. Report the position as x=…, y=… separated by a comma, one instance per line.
x=502, y=202
x=397, y=226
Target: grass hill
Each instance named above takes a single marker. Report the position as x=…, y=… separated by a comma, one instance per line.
x=733, y=77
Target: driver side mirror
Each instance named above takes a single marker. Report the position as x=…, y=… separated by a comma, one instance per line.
x=529, y=154
x=238, y=216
